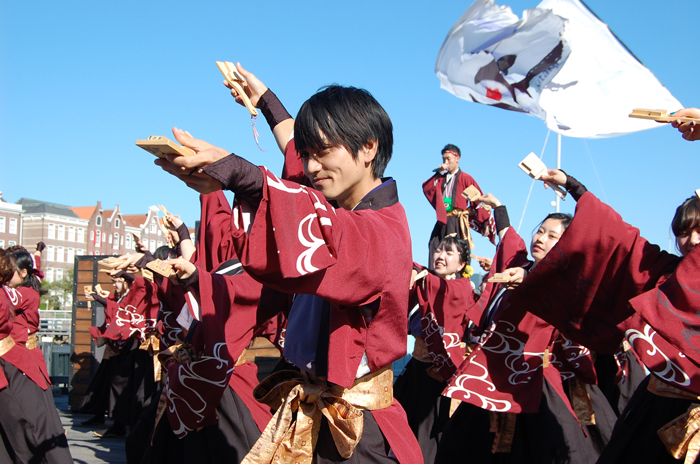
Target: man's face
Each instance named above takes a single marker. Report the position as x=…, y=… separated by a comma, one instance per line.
x=450, y=161
x=338, y=176
x=119, y=285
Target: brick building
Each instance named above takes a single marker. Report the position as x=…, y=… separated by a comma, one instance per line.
x=63, y=232
x=10, y=223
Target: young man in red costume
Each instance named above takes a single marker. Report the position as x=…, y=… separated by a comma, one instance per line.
x=343, y=247
x=444, y=192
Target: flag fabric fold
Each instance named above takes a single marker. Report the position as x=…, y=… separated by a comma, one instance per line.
x=560, y=62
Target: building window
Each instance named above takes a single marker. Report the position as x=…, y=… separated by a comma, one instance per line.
x=71, y=255
x=116, y=241
x=116, y=223
x=61, y=232
x=153, y=228
x=110, y=239
x=51, y=232
x=71, y=234
x=2, y=223
x=2, y=243
x=98, y=242
x=81, y=252
x=160, y=244
x=48, y=275
x=153, y=246
x=13, y=225
x=59, y=274
x=128, y=242
x=81, y=235
x=59, y=254
x=104, y=237
x=50, y=253
x=11, y=243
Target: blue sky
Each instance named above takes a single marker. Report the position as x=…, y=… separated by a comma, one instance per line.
x=81, y=81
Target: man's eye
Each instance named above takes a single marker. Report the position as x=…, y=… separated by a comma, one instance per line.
x=304, y=154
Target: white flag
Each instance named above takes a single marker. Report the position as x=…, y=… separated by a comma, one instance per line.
x=559, y=62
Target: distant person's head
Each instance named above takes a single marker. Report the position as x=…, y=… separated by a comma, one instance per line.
x=451, y=156
x=345, y=139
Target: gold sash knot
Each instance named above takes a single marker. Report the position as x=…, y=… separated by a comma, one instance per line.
x=463, y=216
x=681, y=437
x=152, y=345
x=302, y=401
x=31, y=341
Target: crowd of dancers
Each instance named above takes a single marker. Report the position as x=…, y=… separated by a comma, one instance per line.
x=582, y=352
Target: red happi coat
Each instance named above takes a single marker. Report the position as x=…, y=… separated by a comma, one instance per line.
x=573, y=360
x=603, y=282
x=134, y=315
x=443, y=310
x=172, y=299
x=19, y=356
x=505, y=371
x=226, y=326
x=114, y=341
x=26, y=321
x=299, y=243
x=482, y=223
x=26, y=314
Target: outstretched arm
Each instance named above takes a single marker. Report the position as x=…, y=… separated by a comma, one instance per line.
x=261, y=97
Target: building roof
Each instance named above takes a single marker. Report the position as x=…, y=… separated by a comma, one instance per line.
x=84, y=212
x=36, y=206
x=135, y=220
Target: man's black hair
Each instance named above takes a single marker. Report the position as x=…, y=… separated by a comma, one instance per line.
x=450, y=147
x=344, y=116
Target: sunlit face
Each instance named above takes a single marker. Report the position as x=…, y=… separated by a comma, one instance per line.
x=335, y=173
x=451, y=161
x=687, y=240
x=447, y=262
x=545, y=238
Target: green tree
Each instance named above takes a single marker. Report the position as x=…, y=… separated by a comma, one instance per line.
x=59, y=293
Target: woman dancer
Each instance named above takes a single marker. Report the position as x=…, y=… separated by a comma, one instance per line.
x=603, y=283
x=438, y=323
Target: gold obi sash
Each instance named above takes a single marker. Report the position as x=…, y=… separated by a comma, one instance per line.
x=6, y=345
x=31, y=341
x=680, y=436
x=302, y=400
x=152, y=345
x=463, y=216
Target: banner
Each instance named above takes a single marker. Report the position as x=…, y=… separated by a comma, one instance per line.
x=559, y=63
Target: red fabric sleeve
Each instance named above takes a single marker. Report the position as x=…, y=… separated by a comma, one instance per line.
x=583, y=285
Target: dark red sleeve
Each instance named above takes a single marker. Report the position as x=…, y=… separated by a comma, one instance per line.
x=430, y=190
x=672, y=307
x=214, y=243
x=443, y=307
x=585, y=282
x=511, y=252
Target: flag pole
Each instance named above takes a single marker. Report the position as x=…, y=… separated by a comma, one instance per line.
x=558, y=163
